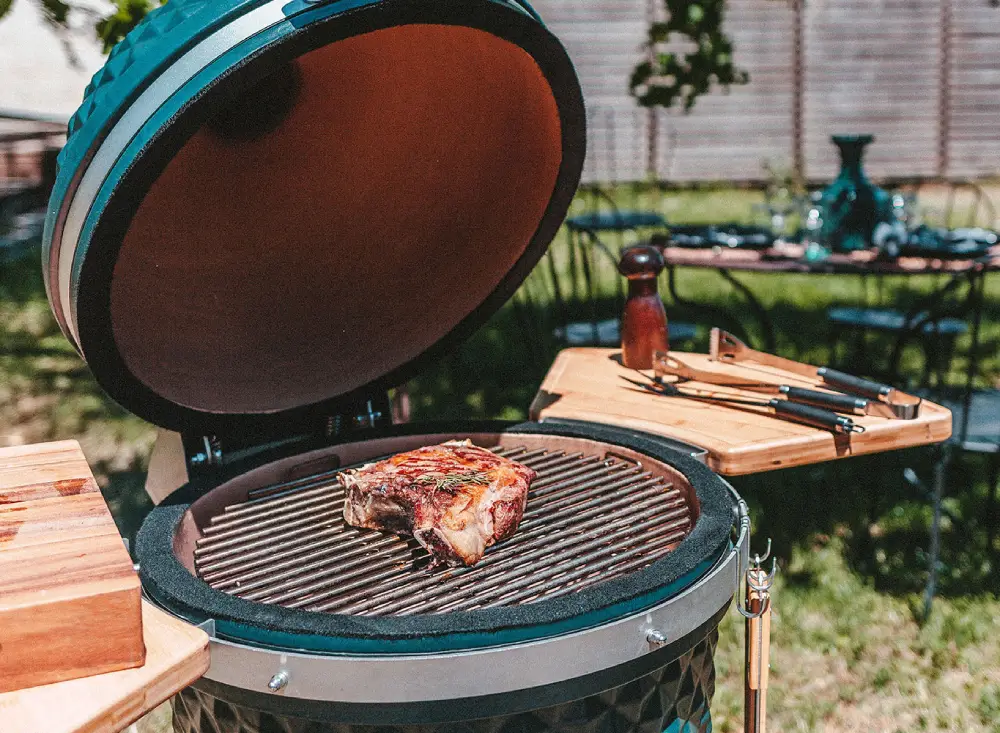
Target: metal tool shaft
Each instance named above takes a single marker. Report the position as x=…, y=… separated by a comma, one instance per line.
x=668, y=365
x=758, y=643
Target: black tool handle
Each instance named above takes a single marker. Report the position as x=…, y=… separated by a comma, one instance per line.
x=850, y=383
x=836, y=402
x=817, y=417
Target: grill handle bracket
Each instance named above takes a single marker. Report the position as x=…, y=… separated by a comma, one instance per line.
x=208, y=626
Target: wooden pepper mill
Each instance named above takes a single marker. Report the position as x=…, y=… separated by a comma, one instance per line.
x=644, y=322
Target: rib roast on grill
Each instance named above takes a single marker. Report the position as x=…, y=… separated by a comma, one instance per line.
x=456, y=498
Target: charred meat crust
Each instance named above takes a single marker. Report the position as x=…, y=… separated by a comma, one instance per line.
x=456, y=499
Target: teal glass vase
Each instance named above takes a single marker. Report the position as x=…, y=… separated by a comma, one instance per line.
x=853, y=206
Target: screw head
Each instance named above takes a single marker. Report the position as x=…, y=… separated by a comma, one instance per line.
x=278, y=682
x=655, y=638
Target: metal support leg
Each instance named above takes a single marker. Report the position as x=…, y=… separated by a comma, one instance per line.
x=940, y=471
x=990, y=512
x=977, y=286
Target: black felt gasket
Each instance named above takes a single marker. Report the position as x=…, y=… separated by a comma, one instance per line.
x=171, y=584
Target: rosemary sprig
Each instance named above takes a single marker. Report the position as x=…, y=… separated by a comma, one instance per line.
x=448, y=481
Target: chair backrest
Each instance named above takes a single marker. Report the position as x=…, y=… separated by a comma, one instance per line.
x=953, y=204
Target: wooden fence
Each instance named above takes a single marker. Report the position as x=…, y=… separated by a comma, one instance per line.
x=923, y=76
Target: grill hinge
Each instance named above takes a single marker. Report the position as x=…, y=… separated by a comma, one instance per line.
x=209, y=453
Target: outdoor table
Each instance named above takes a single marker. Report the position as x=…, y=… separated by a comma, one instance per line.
x=788, y=259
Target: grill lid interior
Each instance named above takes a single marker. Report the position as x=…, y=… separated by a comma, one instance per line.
x=295, y=235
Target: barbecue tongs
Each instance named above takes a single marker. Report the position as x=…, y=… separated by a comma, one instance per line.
x=799, y=405
x=667, y=364
x=879, y=399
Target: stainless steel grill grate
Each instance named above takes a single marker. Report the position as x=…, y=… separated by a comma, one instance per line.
x=589, y=519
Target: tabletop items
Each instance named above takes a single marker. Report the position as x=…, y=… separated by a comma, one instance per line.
x=819, y=409
x=852, y=205
x=730, y=236
x=882, y=399
x=964, y=243
x=890, y=241
x=645, y=346
x=850, y=215
x=783, y=409
x=738, y=439
x=644, y=320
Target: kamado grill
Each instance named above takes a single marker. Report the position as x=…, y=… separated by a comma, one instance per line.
x=266, y=215
x=599, y=614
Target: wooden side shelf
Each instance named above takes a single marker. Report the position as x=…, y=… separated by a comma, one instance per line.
x=588, y=384
x=176, y=655
x=69, y=597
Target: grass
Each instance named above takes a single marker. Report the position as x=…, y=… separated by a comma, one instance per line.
x=848, y=658
x=848, y=653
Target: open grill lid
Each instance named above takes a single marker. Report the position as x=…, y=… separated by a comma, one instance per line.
x=266, y=210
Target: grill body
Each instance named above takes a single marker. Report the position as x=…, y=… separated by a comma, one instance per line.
x=675, y=698
x=624, y=646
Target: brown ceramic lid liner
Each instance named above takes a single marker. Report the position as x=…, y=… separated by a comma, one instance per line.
x=395, y=190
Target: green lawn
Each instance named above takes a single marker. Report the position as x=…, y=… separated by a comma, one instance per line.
x=848, y=653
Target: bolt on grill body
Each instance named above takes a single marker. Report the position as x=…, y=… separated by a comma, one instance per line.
x=588, y=519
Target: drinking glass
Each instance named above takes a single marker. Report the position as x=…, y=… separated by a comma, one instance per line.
x=816, y=248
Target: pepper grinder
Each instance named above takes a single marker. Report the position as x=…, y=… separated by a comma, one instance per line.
x=644, y=322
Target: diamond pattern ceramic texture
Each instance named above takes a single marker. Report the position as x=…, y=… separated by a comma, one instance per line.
x=155, y=25
x=674, y=699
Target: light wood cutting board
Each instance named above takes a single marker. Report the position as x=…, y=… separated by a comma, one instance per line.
x=176, y=655
x=69, y=596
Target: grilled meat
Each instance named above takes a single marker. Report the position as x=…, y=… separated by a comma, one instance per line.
x=456, y=499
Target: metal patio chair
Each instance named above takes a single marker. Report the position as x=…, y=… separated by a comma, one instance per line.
x=975, y=421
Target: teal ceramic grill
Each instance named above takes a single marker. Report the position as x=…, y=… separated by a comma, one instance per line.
x=266, y=215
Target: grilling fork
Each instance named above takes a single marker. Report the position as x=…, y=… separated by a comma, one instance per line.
x=816, y=417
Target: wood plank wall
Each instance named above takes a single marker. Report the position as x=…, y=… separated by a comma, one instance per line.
x=923, y=76
x=973, y=142
x=873, y=66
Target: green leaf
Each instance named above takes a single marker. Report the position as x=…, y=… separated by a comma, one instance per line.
x=127, y=15
x=5, y=6
x=56, y=12
x=665, y=79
